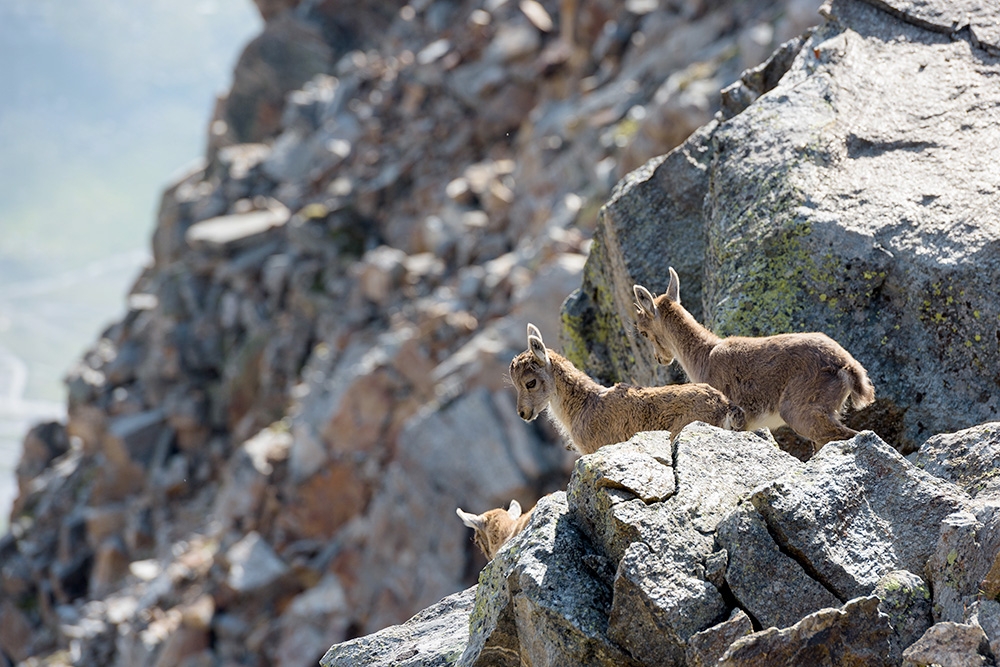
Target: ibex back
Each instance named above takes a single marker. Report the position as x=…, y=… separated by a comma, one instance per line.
x=799, y=379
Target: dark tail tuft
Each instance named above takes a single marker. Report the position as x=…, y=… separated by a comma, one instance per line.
x=862, y=390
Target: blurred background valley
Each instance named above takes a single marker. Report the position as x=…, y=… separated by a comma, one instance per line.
x=102, y=100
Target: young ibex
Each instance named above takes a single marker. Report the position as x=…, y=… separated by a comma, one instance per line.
x=799, y=379
x=591, y=416
x=495, y=527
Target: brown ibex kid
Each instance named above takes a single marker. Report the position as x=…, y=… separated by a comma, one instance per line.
x=495, y=527
x=592, y=416
x=799, y=379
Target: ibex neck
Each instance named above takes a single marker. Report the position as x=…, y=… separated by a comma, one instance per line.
x=693, y=343
x=569, y=379
x=573, y=388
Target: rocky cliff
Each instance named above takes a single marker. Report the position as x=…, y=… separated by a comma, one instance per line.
x=263, y=456
x=847, y=185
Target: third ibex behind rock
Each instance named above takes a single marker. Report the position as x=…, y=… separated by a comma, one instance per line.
x=592, y=416
x=799, y=379
x=495, y=527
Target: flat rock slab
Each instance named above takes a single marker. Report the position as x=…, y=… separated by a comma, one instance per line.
x=705, y=648
x=230, y=229
x=435, y=637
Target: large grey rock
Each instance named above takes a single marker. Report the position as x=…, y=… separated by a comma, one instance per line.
x=970, y=458
x=767, y=583
x=286, y=54
x=856, y=634
x=538, y=604
x=435, y=637
x=253, y=565
x=658, y=607
x=657, y=205
x=660, y=540
x=986, y=614
x=850, y=199
x=857, y=511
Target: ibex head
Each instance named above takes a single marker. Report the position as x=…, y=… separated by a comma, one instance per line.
x=531, y=375
x=493, y=528
x=647, y=316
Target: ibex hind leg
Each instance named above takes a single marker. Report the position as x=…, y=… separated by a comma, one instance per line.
x=814, y=411
x=821, y=427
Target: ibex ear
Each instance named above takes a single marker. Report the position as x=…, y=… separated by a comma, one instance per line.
x=674, y=288
x=473, y=521
x=644, y=300
x=514, y=511
x=536, y=345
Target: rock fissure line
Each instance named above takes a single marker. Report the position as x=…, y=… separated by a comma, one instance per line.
x=963, y=28
x=606, y=483
x=732, y=603
x=799, y=558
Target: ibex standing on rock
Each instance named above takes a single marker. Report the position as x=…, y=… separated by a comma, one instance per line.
x=592, y=416
x=799, y=379
x=495, y=527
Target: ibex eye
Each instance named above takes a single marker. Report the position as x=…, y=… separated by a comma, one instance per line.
x=530, y=384
x=644, y=334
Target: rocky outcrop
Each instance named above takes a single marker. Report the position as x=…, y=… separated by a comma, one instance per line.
x=721, y=547
x=264, y=455
x=852, y=196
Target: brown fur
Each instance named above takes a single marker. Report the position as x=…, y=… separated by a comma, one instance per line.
x=494, y=528
x=592, y=416
x=799, y=379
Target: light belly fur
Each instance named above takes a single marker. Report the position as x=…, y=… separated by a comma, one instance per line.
x=771, y=420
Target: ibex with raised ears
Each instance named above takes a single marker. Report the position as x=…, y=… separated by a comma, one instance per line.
x=591, y=416
x=495, y=527
x=799, y=379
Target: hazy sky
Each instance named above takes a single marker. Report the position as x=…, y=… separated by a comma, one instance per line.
x=101, y=103
x=102, y=100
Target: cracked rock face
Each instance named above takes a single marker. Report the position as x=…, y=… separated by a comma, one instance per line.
x=857, y=511
x=720, y=548
x=857, y=196
x=647, y=511
x=849, y=186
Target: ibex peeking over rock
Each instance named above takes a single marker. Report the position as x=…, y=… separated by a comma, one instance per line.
x=592, y=416
x=495, y=527
x=799, y=379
